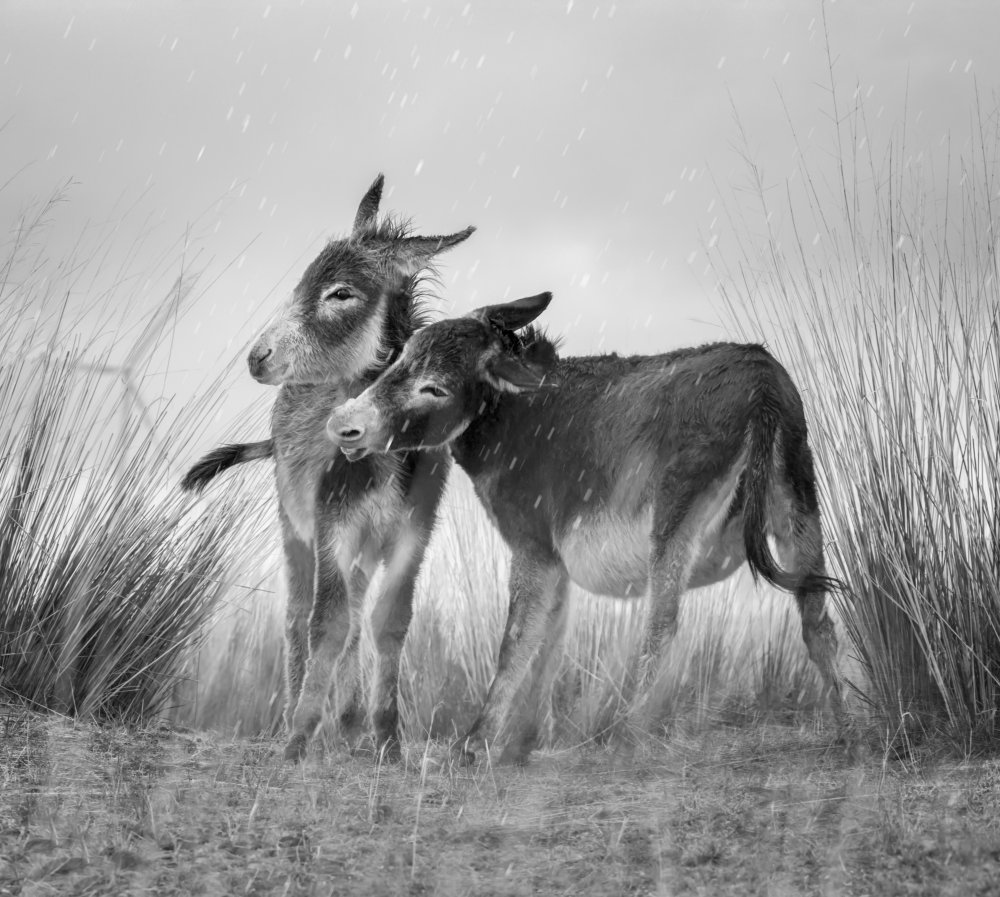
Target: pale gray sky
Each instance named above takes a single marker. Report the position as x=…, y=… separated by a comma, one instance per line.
x=586, y=140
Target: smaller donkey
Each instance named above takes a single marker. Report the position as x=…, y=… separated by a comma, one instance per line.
x=347, y=320
x=660, y=472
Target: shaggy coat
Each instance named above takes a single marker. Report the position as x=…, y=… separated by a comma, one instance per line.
x=347, y=320
x=625, y=475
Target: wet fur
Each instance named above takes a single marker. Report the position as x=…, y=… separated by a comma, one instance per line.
x=339, y=519
x=621, y=473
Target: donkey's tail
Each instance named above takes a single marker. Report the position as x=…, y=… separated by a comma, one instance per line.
x=222, y=458
x=760, y=471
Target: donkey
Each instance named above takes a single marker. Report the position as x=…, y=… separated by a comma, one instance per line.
x=659, y=472
x=350, y=315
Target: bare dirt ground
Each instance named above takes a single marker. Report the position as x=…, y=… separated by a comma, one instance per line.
x=759, y=810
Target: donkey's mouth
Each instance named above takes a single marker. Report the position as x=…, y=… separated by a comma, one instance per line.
x=353, y=454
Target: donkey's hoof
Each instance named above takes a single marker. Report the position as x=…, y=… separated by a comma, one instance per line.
x=295, y=750
x=388, y=750
x=466, y=751
x=850, y=738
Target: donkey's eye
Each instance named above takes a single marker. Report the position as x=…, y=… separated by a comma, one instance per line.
x=432, y=389
x=338, y=293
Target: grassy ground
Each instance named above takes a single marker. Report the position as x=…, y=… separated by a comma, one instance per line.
x=763, y=809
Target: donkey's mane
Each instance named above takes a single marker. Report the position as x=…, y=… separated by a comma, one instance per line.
x=409, y=309
x=531, y=343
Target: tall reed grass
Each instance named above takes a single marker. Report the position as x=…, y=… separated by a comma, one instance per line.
x=108, y=576
x=876, y=281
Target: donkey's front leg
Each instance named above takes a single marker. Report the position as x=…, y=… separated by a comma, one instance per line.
x=329, y=636
x=534, y=577
x=300, y=575
x=390, y=623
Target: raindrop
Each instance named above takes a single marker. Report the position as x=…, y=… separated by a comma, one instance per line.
x=788, y=56
x=347, y=52
x=69, y=27
x=317, y=54
x=721, y=62
x=201, y=153
x=479, y=64
x=517, y=168
x=420, y=165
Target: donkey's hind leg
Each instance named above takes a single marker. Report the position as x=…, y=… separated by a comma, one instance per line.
x=799, y=539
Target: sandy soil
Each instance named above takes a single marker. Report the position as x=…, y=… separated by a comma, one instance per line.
x=759, y=810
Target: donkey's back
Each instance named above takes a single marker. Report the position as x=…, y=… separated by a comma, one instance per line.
x=628, y=449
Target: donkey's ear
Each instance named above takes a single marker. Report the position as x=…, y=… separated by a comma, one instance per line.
x=368, y=209
x=513, y=315
x=415, y=253
x=509, y=374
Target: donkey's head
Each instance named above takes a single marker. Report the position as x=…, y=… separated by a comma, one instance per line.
x=446, y=376
x=356, y=304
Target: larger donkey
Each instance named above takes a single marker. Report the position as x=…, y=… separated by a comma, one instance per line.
x=347, y=320
x=663, y=472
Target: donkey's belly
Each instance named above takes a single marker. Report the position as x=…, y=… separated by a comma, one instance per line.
x=720, y=556
x=608, y=554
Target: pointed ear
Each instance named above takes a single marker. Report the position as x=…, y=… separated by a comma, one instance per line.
x=368, y=209
x=513, y=315
x=509, y=374
x=414, y=253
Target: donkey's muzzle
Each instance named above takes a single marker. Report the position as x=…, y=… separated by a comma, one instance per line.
x=347, y=433
x=257, y=362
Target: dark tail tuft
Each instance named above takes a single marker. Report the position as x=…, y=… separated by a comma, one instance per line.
x=222, y=458
x=760, y=469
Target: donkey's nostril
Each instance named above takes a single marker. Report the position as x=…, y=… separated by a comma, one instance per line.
x=350, y=434
x=257, y=358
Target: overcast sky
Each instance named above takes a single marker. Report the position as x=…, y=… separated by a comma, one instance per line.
x=587, y=141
